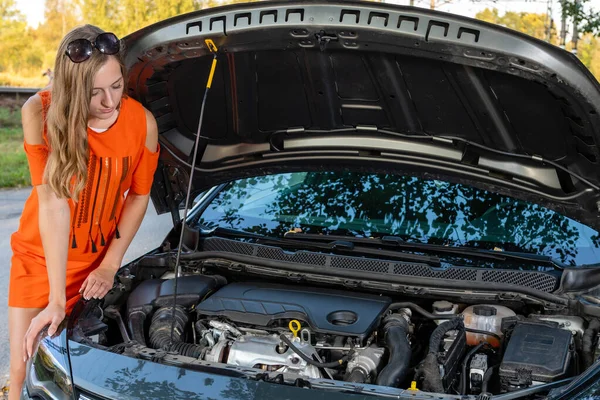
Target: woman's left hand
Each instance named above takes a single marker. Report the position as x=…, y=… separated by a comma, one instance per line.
x=98, y=282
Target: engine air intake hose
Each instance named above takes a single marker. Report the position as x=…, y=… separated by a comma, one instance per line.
x=358, y=375
x=432, y=380
x=136, y=326
x=588, y=342
x=160, y=332
x=396, y=340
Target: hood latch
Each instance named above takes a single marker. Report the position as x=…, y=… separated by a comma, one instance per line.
x=324, y=38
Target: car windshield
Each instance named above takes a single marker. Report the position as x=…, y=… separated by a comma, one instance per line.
x=414, y=209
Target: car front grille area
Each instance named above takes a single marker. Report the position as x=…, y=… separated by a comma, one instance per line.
x=540, y=281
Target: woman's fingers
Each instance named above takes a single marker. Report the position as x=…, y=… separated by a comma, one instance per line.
x=34, y=329
x=84, y=285
x=25, y=355
x=91, y=288
x=54, y=325
x=97, y=291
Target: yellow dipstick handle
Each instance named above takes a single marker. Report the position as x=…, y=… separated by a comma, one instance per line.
x=295, y=327
x=413, y=386
x=211, y=45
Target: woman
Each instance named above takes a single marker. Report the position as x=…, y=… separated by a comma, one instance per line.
x=92, y=153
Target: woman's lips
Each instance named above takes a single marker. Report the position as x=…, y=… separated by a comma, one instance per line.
x=107, y=110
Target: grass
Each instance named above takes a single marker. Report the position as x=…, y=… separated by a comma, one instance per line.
x=10, y=117
x=14, y=171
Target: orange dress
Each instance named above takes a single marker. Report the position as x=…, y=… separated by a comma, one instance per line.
x=118, y=161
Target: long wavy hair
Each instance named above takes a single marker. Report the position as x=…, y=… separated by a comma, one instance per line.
x=67, y=167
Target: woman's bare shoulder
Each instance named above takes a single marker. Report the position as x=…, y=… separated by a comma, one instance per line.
x=151, y=131
x=31, y=118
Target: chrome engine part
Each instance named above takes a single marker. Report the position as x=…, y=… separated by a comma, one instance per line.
x=368, y=360
x=265, y=352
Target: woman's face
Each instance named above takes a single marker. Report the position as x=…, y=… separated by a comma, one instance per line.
x=107, y=90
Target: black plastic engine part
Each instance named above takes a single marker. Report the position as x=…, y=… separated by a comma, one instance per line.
x=465, y=382
x=326, y=311
x=589, y=337
x=478, y=368
x=160, y=332
x=535, y=352
x=159, y=292
x=396, y=341
x=92, y=326
x=430, y=367
x=155, y=293
x=450, y=360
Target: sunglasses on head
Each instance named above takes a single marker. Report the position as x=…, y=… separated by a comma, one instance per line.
x=80, y=50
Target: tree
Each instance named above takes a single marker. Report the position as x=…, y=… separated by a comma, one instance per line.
x=12, y=28
x=589, y=53
x=532, y=24
x=101, y=13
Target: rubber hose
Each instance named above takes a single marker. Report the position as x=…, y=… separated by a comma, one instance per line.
x=310, y=360
x=432, y=380
x=418, y=309
x=358, y=375
x=136, y=322
x=396, y=341
x=482, y=332
x=588, y=342
x=160, y=332
x=438, y=334
x=487, y=377
x=430, y=369
x=463, y=378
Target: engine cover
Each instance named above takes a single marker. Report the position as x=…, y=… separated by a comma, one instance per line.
x=326, y=311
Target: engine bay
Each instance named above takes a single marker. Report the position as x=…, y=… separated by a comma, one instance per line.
x=298, y=331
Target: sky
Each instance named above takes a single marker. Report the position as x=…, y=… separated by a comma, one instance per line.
x=34, y=9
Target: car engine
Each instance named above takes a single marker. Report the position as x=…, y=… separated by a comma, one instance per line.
x=318, y=333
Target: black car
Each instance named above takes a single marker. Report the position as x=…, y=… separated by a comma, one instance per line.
x=391, y=202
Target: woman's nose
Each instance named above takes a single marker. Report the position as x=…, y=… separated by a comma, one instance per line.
x=108, y=101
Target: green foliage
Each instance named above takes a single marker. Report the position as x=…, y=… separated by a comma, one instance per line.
x=28, y=52
x=586, y=19
x=529, y=23
x=10, y=117
x=14, y=171
x=588, y=49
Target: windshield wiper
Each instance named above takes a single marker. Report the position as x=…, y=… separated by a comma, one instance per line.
x=459, y=251
x=339, y=245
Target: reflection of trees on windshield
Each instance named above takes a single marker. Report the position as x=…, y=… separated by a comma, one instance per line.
x=414, y=209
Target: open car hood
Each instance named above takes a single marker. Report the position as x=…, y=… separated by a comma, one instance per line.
x=318, y=85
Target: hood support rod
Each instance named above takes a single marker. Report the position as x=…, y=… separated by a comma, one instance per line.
x=213, y=49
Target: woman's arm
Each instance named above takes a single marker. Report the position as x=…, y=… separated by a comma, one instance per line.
x=100, y=281
x=54, y=219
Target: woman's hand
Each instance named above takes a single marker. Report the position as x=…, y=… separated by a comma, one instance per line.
x=52, y=315
x=98, y=282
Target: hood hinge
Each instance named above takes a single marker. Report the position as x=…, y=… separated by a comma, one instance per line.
x=175, y=194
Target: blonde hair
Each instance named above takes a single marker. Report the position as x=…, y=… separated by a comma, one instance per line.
x=67, y=167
